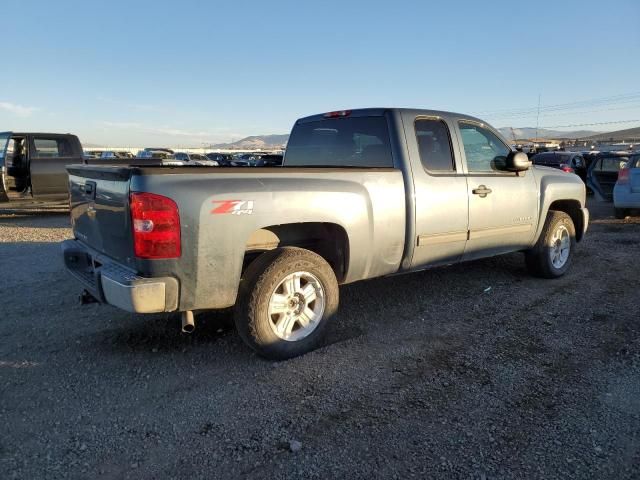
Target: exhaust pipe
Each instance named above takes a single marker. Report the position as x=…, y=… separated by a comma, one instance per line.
x=188, y=325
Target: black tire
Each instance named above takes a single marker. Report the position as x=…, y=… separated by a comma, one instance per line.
x=259, y=282
x=538, y=259
x=621, y=213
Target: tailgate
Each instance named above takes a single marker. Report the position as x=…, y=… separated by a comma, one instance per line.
x=99, y=203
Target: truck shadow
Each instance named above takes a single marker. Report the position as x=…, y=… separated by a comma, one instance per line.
x=162, y=333
x=364, y=308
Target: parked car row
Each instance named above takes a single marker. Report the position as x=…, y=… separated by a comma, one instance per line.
x=212, y=159
x=612, y=176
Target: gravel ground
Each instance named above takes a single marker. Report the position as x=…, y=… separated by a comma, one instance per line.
x=473, y=371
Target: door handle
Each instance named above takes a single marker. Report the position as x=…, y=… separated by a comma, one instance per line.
x=482, y=190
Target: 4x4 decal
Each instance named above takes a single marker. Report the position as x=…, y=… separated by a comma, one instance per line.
x=235, y=207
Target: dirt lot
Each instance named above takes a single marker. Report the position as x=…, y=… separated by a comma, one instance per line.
x=474, y=371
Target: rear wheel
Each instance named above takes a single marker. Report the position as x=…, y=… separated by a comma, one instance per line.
x=551, y=256
x=286, y=300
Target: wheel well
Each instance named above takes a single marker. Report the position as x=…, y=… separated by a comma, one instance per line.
x=573, y=209
x=328, y=240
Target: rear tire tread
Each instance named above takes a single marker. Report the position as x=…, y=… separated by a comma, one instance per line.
x=259, y=279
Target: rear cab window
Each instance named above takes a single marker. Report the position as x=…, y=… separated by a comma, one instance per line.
x=340, y=142
x=52, y=147
x=434, y=145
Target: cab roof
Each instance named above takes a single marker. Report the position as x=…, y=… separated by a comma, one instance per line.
x=375, y=112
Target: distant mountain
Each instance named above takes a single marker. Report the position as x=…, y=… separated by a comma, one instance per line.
x=530, y=132
x=257, y=142
x=627, y=135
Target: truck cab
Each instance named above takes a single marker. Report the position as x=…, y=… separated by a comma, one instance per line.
x=32, y=165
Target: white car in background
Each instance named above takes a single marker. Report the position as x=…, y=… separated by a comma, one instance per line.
x=195, y=159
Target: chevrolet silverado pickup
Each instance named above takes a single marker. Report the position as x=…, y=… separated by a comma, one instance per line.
x=361, y=194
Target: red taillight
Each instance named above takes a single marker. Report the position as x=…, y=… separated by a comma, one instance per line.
x=566, y=168
x=337, y=114
x=156, y=226
x=623, y=175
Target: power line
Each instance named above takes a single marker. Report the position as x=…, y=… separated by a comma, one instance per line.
x=591, y=124
x=568, y=105
x=570, y=108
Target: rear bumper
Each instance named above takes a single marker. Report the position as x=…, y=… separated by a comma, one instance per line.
x=625, y=198
x=111, y=283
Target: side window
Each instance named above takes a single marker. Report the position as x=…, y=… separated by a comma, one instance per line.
x=482, y=148
x=434, y=145
x=52, y=147
x=611, y=164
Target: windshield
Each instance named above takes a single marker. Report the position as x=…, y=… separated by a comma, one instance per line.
x=340, y=142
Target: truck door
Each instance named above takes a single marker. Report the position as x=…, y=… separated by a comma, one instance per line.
x=49, y=156
x=503, y=206
x=4, y=141
x=441, y=205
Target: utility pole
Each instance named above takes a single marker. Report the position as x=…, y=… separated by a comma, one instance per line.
x=538, y=118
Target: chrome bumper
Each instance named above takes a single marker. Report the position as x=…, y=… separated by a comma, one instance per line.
x=116, y=285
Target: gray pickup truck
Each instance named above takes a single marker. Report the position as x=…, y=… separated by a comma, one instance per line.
x=361, y=194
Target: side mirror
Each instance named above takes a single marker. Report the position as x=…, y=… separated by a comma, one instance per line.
x=517, y=162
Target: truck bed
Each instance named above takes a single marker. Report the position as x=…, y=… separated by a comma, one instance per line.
x=227, y=212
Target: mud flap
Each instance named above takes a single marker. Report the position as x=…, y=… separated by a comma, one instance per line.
x=4, y=142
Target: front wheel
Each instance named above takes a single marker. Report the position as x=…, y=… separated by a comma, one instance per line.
x=551, y=256
x=286, y=300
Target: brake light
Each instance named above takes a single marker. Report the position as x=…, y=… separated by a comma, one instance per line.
x=156, y=226
x=566, y=168
x=623, y=175
x=337, y=114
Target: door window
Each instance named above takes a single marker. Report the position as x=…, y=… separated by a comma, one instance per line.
x=4, y=140
x=434, y=145
x=611, y=164
x=483, y=150
x=52, y=147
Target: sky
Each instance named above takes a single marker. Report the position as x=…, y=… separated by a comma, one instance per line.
x=196, y=72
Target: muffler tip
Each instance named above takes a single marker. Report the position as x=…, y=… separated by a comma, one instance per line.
x=188, y=324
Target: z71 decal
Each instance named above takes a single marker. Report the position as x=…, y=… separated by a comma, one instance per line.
x=235, y=207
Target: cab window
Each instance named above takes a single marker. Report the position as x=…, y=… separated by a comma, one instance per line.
x=434, y=145
x=52, y=147
x=483, y=149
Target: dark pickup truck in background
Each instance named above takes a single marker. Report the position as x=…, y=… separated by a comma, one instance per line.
x=32, y=165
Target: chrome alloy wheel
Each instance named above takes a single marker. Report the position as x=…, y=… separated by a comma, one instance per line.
x=560, y=246
x=296, y=306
